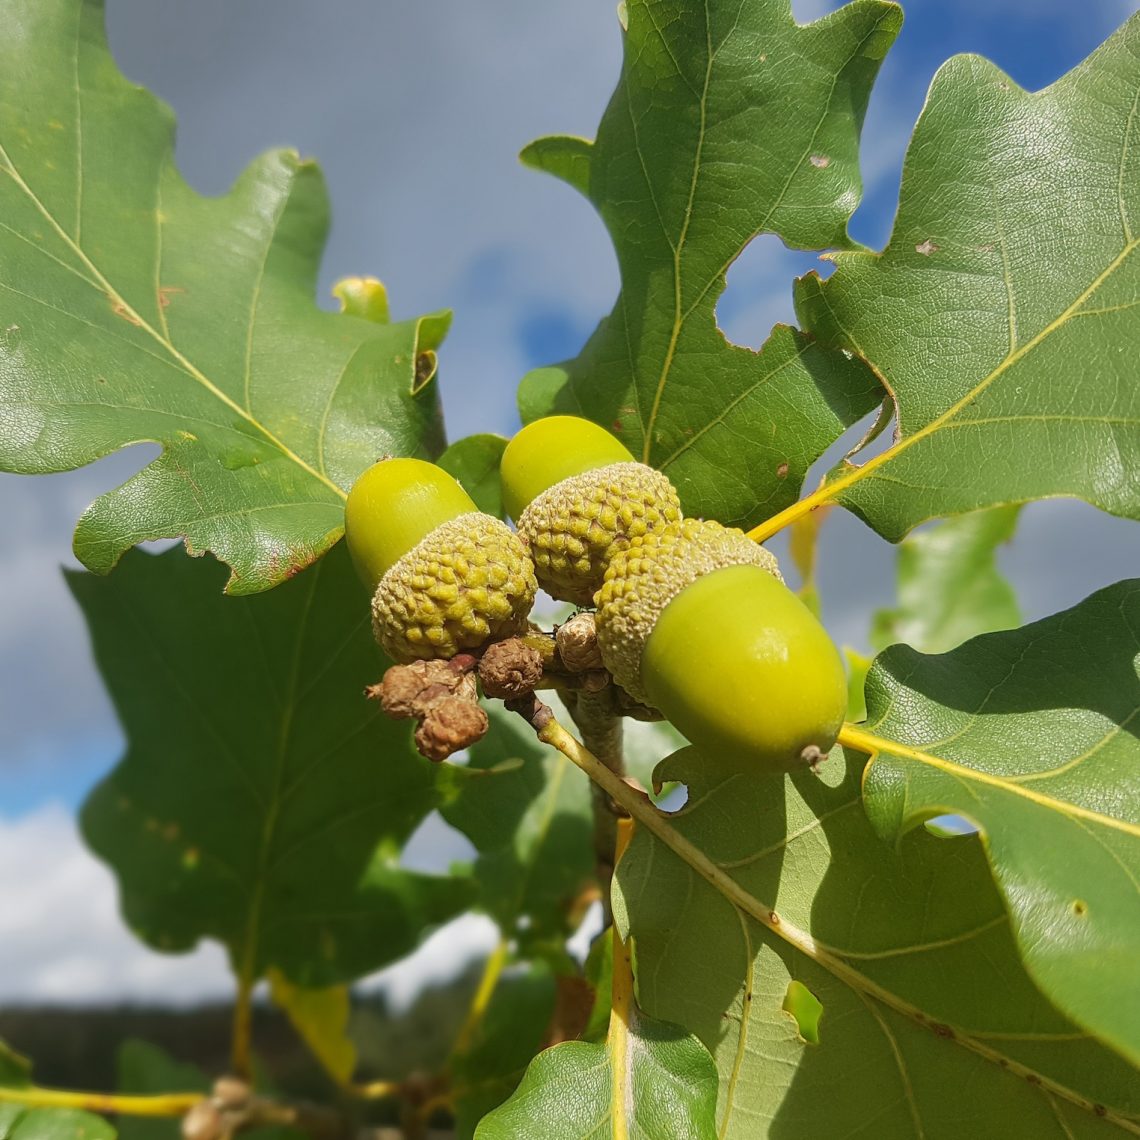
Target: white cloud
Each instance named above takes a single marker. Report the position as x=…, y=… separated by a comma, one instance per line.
x=62, y=938
x=64, y=942
x=442, y=957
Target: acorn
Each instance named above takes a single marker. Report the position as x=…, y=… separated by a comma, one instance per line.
x=578, y=496
x=695, y=621
x=445, y=578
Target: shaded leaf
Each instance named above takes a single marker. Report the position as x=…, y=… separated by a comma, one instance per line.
x=527, y=811
x=474, y=461
x=929, y=1025
x=135, y=309
x=53, y=1124
x=1032, y=734
x=262, y=800
x=1004, y=313
x=728, y=121
x=949, y=586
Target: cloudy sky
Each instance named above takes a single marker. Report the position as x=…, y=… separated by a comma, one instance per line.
x=416, y=112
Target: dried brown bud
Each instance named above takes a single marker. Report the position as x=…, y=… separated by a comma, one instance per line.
x=449, y=726
x=411, y=690
x=577, y=641
x=231, y=1092
x=509, y=669
x=203, y=1122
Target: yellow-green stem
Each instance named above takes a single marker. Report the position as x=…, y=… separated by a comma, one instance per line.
x=166, y=1104
x=492, y=971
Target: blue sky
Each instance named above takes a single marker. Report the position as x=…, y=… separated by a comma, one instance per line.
x=416, y=113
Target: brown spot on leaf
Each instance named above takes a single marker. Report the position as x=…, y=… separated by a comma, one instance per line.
x=121, y=310
x=1080, y=908
x=425, y=369
x=165, y=292
x=941, y=1029
x=782, y=471
x=926, y=248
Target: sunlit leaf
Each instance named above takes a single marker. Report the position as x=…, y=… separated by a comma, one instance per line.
x=1004, y=314
x=1032, y=734
x=729, y=121
x=135, y=309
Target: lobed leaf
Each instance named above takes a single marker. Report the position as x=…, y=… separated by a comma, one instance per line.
x=262, y=800
x=1033, y=735
x=929, y=1025
x=1003, y=314
x=728, y=121
x=135, y=309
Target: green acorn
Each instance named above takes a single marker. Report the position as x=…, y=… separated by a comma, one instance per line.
x=578, y=496
x=444, y=577
x=695, y=621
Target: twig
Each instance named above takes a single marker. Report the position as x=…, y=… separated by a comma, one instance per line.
x=166, y=1104
x=241, y=1040
x=599, y=721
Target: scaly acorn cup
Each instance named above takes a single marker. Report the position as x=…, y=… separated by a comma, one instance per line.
x=695, y=621
x=444, y=577
x=578, y=496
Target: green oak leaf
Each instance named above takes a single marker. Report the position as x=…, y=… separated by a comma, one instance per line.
x=729, y=121
x=528, y=814
x=647, y=1081
x=929, y=1026
x=949, y=586
x=262, y=800
x=133, y=309
x=474, y=461
x=52, y=1124
x=1003, y=316
x=1033, y=735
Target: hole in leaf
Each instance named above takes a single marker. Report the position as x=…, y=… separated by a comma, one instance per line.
x=759, y=290
x=949, y=826
x=807, y=1010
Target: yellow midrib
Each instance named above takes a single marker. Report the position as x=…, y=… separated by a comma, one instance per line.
x=136, y=318
x=873, y=745
x=832, y=489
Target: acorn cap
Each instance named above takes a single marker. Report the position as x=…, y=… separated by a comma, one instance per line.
x=393, y=506
x=645, y=577
x=467, y=582
x=549, y=450
x=577, y=526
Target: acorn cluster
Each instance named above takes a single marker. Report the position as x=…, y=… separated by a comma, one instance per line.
x=692, y=618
